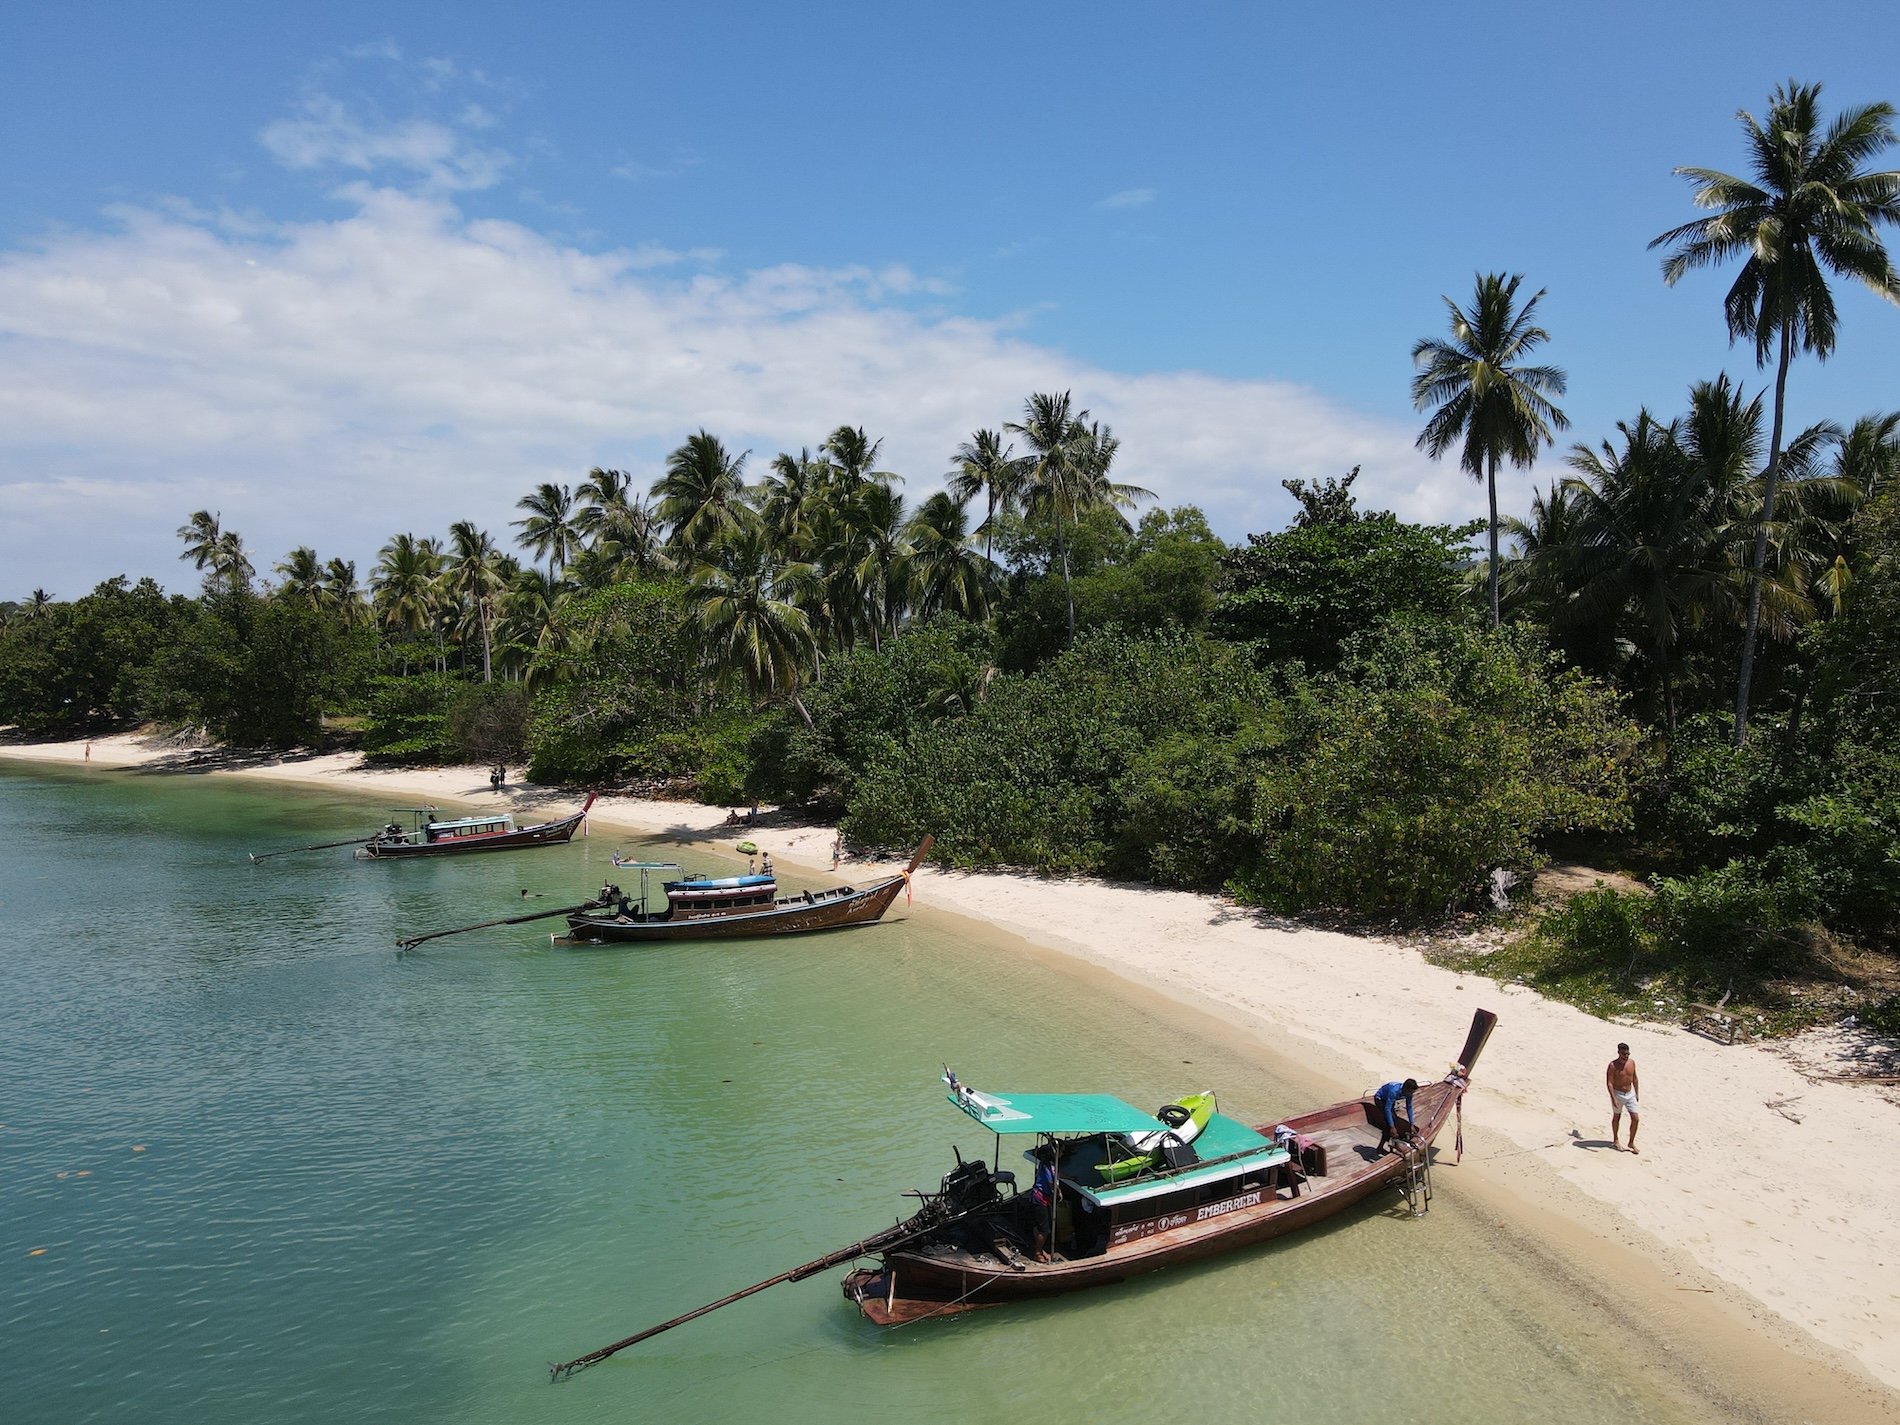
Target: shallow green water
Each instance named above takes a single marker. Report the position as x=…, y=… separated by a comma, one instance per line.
x=391, y=1189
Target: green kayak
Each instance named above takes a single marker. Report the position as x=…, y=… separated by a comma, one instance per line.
x=1181, y=1122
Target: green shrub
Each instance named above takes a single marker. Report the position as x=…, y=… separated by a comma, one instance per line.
x=1038, y=773
x=1434, y=754
x=406, y=719
x=487, y=722
x=1883, y=1015
x=1597, y=931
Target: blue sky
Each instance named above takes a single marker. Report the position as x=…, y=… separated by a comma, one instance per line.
x=374, y=267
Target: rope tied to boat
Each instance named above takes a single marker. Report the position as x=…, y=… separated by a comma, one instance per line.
x=1459, y=1081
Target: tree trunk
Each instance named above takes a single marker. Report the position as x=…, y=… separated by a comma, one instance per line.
x=1068, y=588
x=1760, y=565
x=1491, y=485
x=488, y=666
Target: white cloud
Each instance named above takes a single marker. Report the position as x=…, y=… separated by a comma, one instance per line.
x=331, y=382
x=326, y=133
x=1129, y=198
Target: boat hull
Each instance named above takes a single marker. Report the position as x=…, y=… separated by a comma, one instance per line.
x=914, y=1284
x=550, y=833
x=824, y=910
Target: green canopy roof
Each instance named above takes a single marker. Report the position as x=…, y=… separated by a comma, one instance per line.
x=1053, y=1112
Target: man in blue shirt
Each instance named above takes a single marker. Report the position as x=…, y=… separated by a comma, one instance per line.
x=1386, y=1102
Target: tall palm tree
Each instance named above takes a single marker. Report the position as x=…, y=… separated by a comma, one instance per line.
x=853, y=455
x=1066, y=473
x=38, y=603
x=1638, y=543
x=340, y=593
x=548, y=528
x=755, y=632
x=985, y=466
x=943, y=569
x=702, y=494
x=201, y=535
x=233, y=562
x=597, y=498
x=788, y=498
x=1809, y=209
x=533, y=617
x=404, y=588
x=302, y=573
x=1482, y=394
x=472, y=579
x=874, y=522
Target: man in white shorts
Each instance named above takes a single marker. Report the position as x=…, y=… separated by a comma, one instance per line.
x=1620, y=1080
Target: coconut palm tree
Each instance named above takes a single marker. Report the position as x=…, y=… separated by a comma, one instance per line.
x=1638, y=543
x=201, y=535
x=302, y=573
x=1066, y=472
x=852, y=457
x=548, y=528
x=943, y=569
x=597, y=498
x=984, y=465
x=1810, y=208
x=788, y=498
x=38, y=605
x=873, y=518
x=404, y=588
x=533, y=618
x=472, y=579
x=1482, y=394
x=702, y=494
x=749, y=616
x=341, y=595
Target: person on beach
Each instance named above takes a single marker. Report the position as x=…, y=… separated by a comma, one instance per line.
x=837, y=849
x=765, y=864
x=1386, y=1100
x=1620, y=1080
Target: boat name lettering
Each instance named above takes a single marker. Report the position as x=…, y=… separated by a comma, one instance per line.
x=1167, y=1222
x=1232, y=1204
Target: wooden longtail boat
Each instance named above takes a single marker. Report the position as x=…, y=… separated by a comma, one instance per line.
x=732, y=907
x=973, y=1245
x=495, y=832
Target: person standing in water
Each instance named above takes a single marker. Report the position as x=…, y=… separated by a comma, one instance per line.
x=1620, y=1080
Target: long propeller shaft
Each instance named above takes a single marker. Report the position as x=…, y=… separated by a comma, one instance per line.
x=320, y=846
x=416, y=940
x=882, y=1241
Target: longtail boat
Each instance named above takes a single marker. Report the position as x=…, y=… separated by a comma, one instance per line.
x=1183, y=1185
x=729, y=907
x=974, y=1242
x=494, y=832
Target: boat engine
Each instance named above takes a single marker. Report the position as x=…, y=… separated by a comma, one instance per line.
x=967, y=1187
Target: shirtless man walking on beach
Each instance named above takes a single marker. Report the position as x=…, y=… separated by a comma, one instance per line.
x=1620, y=1080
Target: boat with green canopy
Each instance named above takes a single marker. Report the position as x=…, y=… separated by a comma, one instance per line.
x=1080, y=1226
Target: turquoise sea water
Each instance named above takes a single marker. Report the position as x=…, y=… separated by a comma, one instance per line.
x=379, y=1188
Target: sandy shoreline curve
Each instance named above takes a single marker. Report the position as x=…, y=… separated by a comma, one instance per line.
x=1763, y=1198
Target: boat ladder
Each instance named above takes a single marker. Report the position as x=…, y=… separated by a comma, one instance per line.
x=1415, y=1183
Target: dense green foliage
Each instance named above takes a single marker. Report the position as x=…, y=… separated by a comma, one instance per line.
x=68, y=667
x=1302, y=593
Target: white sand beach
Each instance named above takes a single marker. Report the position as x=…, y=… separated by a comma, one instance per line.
x=1763, y=1193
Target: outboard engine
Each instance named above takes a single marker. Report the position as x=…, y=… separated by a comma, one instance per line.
x=968, y=1186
